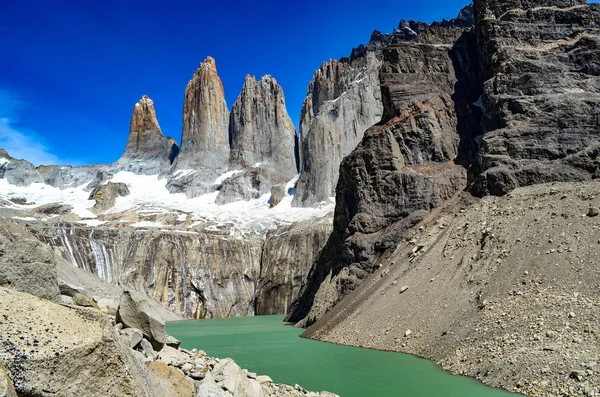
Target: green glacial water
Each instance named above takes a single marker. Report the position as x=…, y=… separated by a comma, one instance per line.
x=268, y=346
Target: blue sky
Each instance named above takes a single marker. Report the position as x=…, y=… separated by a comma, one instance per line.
x=71, y=71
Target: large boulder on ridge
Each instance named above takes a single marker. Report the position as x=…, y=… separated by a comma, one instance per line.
x=138, y=311
x=52, y=350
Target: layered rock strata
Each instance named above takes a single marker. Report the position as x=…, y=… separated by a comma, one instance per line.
x=288, y=254
x=195, y=274
x=204, y=150
x=343, y=101
x=541, y=96
x=148, y=151
x=404, y=166
x=502, y=289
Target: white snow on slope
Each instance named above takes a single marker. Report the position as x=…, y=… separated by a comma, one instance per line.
x=40, y=194
x=149, y=192
x=225, y=176
x=149, y=196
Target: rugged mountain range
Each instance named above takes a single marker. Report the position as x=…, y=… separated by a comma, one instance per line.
x=408, y=133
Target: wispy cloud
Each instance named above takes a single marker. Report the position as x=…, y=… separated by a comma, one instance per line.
x=19, y=142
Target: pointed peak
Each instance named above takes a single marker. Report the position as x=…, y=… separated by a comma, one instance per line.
x=209, y=62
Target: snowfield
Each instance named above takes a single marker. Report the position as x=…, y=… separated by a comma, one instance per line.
x=149, y=196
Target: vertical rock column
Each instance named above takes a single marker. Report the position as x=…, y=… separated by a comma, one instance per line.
x=148, y=151
x=205, y=136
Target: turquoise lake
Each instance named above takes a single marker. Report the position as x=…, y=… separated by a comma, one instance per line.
x=268, y=346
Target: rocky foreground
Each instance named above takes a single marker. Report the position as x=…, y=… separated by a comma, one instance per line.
x=47, y=349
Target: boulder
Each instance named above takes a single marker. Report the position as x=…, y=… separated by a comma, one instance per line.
x=84, y=301
x=106, y=195
x=171, y=380
x=138, y=311
x=7, y=389
x=172, y=356
x=53, y=209
x=52, y=350
x=26, y=264
x=131, y=336
x=108, y=306
x=277, y=194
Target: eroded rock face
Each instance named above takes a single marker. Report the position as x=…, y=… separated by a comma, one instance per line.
x=403, y=167
x=288, y=254
x=148, y=151
x=540, y=61
x=54, y=350
x=343, y=101
x=26, y=264
x=260, y=128
x=204, y=153
x=196, y=275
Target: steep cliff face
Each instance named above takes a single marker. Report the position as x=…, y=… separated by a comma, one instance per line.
x=343, y=100
x=196, y=274
x=205, y=135
x=404, y=166
x=260, y=129
x=287, y=256
x=262, y=139
x=542, y=93
x=148, y=151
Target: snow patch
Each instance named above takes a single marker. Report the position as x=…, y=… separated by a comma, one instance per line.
x=148, y=224
x=181, y=173
x=226, y=176
x=24, y=218
x=4, y=161
x=41, y=194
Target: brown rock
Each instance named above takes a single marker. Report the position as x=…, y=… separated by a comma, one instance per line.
x=170, y=380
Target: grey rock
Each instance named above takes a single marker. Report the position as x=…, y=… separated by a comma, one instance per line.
x=278, y=192
x=53, y=209
x=61, y=176
x=147, y=350
x=66, y=300
x=172, y=356
x=18, y=172
x=283, y=270
x=148, y=151
x=172, y=342
x=248, y=185
x=403, y=167
x=26, y=264
x=106, y=195
x=88, y=358
x=343, y=101
x=131, y=336
x=69, y=289
x=262, y=134
x=138, y=311
x=539, y=122
x=108, y=306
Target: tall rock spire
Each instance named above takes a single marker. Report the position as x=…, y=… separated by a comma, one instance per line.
x=205, y=114
x=148, y=151
x=205, y=135
x=263, y=140
x=260, y=128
